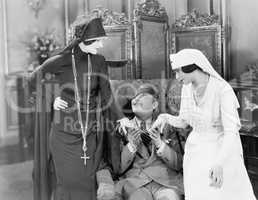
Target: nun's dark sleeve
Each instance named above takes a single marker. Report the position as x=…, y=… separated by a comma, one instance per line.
x=110, y=113
x=52, y=65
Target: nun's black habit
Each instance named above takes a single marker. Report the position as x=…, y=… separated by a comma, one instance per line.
x=74, y=180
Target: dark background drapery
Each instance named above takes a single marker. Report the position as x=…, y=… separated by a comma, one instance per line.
x=43, y=173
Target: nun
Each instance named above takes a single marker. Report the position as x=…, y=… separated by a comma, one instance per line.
x=84, y=110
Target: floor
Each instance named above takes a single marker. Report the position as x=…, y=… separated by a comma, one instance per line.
x=16, y=167
x=16, y=164
x=16, y=181
x=15, y=154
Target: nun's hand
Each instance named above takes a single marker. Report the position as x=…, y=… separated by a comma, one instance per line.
x=124, y=124
x=60, y=104
x=216, y=176
x=160, y=122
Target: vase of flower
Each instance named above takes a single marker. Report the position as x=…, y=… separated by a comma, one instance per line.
x=42, y=45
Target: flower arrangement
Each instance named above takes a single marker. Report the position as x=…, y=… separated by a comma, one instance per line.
x=42, y=45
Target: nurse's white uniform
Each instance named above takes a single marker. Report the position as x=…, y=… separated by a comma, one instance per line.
x=214, y=120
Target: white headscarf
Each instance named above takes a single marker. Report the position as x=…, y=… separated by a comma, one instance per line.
x=193, y=56
x=87, y=48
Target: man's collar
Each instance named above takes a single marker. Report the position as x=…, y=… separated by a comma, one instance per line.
x=148, y=121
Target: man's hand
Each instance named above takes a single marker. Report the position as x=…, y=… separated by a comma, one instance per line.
x=106, y=191
x=216, y=176
x=60, y=104
x=155, y=136
x=134, y=137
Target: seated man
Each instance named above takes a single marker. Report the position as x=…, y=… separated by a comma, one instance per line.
x=150, y=161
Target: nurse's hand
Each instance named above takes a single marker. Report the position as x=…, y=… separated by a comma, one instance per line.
x=124, y=124
x=160, y=122
x=216, y=176
x=60, y=104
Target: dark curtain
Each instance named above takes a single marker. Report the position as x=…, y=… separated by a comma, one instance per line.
x=43, y=173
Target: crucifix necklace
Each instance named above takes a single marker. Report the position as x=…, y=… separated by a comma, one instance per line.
x=84, y=129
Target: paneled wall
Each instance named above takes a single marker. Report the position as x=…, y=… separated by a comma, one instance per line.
x=21, y=20
x=201, y=5
x=17, y=23
x=2, y=67
x=244, y=32
x=115, y=5
x=243, y=23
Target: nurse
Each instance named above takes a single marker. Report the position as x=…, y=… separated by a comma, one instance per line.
x=213, y=162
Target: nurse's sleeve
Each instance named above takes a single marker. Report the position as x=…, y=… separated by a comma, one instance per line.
x=231, y=124
x=180, y=121
x=176, y=121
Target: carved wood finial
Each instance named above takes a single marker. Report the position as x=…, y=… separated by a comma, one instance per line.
x=195, y=19
x=150, y=8
x=110, y=17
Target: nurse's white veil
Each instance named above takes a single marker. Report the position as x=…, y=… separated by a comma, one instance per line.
x=193, y=56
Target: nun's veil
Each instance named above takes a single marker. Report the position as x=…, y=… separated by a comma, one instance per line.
x=84, y=28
